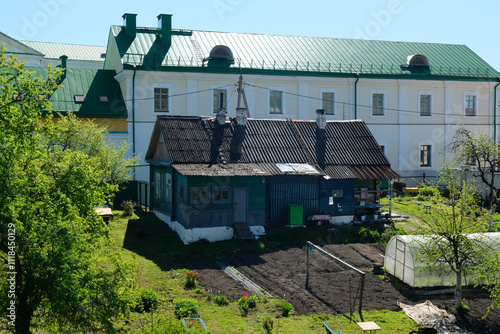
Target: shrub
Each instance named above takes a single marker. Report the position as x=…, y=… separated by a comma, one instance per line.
x=221, y=300
x=286, y=307
x=191, y=279
x=128, y=208
x=186, y=308
x=428, y=191
x=148, y=301
x=268, y=324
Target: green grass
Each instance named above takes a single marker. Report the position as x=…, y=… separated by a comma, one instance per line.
x=156, y=258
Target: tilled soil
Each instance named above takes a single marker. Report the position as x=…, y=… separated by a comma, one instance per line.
x=334, y=289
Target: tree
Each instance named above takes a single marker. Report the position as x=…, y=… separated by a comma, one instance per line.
x=452, y=239
x=479, y=150
x=56, y=269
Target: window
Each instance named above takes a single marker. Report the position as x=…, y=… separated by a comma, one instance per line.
x=168, y=188
x=425, y=155
x=470, y=104
x=221, y=195
x=200, y=195
x=418, y=61
x=219, y=99
x=378, y=103
x=161, y=99
x=103, y=99
x=328, y=102
x=425, y=104
x=275, y=102
x=157, y=184
x=79, y=98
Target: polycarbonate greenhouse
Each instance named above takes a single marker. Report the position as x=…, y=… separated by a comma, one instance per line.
x=401, y=261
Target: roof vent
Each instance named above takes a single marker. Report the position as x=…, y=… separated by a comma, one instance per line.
x=221, y=52
x=418, y=61
x=103, y=99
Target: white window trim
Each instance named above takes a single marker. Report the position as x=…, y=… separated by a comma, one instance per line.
x=161, y=85
x=226, y=88
x=426, y=142
x=426, y=92
x=384, y=107
x=283, y=102
x=476, y=94
x=329, y=90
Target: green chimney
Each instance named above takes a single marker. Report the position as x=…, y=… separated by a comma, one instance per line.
x=130, y=25
x=165, y=28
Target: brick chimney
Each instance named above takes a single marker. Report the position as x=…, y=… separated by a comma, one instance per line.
x=321, y=118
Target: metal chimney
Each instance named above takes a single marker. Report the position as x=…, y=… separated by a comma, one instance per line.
x=130, y=25
x=165, y=28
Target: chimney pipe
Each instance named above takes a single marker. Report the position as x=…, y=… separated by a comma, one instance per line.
x=241, y=116
x=165, y=28
x=64, y=67
x=130, y=24
x=321, y=118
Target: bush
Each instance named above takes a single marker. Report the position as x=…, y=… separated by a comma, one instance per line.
x=221, y=300
x=286, y=307
x=191, y=279
x=148, y=301
x=268, y=324
x=428, y=191
x=128, y=208
x=186, y=308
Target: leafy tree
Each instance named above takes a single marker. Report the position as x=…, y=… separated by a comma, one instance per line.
x=53, y=245
x=449, y=242
x=480, y=150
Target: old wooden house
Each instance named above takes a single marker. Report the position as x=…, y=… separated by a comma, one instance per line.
x=216, y=177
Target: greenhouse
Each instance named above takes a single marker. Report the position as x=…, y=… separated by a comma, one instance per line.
x=401, y=260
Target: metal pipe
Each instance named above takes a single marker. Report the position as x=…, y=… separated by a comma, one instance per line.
x=133, y=115
x=356, y=96
x=495, y=111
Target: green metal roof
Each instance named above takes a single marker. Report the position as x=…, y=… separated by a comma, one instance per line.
x=305, y=54
x=73, y=51
x=92, y=83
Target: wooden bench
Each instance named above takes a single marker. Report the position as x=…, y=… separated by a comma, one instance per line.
x=329, y=330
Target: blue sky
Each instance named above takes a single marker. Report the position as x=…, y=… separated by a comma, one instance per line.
x=475, y=24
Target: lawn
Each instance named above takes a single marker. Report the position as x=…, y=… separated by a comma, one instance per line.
x=156, y=259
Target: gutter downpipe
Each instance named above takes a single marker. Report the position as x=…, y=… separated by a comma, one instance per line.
x=495, y=102
x=133, y=116
x=356, y=96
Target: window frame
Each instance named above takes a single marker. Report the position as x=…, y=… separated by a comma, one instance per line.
x=283, y=106
x=153, y=97
x=431, y=104
x=219, y=88
x=194, y=189
x=221, y=201
x=334, y=101
x=476, y=103
x=382, y=92
x=429, y=155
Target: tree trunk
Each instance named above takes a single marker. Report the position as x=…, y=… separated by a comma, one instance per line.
x=458, y=290
x=24, y=315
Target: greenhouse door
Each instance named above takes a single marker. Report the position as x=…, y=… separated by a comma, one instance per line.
x=400, y=259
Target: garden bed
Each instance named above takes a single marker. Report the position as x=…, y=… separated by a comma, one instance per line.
x=332, y=288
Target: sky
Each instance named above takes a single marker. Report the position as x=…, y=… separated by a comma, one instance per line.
x=473, y=23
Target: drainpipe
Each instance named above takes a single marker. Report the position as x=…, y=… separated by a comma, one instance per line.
x=133, y=116
x=356, y=96
x=495, y=102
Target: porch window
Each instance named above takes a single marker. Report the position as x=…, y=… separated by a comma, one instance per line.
x=221, y=194
x=200, y=195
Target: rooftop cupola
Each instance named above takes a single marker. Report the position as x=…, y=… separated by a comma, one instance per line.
x=165, y=28
x=130, y=24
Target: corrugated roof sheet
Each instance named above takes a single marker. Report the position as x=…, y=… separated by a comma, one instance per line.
x=295, y=53
x=73, y=51
x=201, y=146
x=92, y=83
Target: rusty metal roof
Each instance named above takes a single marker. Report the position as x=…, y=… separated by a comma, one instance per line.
x=201, y=146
